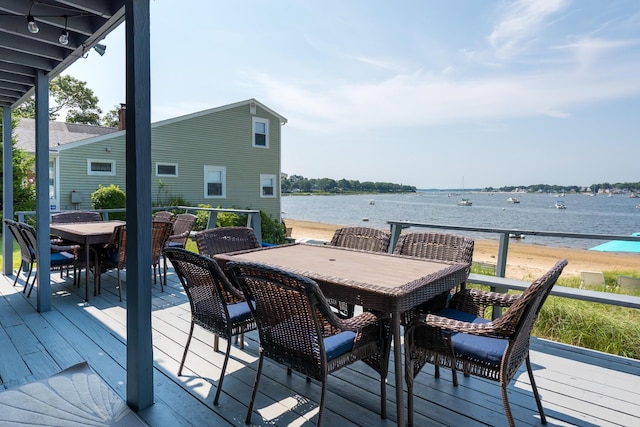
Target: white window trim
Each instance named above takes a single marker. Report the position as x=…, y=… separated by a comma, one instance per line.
x=255, y=120
x=166, y=164
x=90, y=172
x=223, y=174
x=275, y=190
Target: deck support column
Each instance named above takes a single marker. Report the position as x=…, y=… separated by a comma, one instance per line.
x=7, y=191
x=138, y=181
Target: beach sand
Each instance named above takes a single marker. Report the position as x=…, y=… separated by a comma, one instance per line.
x=524, y=261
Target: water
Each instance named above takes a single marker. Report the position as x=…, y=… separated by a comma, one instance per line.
x=584, y=214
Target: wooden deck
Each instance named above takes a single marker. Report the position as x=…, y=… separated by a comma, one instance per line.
x=578, y=387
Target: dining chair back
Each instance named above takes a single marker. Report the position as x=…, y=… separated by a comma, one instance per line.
x=69, y=217
x=216, y=305
x=114, y=256
x=459, y=337
x=298, y=329
x=163, y=216
x=60, y=256
x=436, y=246
x=362, y=238
x=27, y=256
x=226, y=239
x=182, y=226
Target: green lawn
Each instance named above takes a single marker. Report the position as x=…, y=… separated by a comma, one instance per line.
x=16, y=253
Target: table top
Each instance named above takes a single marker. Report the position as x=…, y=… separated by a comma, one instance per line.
x=381, y=281
x=87, y=228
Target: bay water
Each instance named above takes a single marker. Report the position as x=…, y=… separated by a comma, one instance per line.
x=599, y=214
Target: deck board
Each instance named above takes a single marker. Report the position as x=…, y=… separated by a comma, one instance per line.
x=578, y=386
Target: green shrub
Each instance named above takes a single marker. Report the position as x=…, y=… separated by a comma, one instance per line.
x=273, y=231
x=111, y=197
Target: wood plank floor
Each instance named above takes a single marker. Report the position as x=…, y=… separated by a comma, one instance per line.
x=578, y=387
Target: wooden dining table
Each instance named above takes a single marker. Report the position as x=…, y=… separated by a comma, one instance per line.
x=383, y=282
x=87, y=234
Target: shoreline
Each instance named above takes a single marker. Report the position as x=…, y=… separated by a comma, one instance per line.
x=524, y=261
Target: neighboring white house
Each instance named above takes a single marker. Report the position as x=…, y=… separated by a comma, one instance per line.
x=225, y=157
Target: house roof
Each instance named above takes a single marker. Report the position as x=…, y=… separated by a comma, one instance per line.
x=60, y=133
x=63, y=136
x=24, y=54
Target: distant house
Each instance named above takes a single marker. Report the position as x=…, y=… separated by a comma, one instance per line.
x=225, y=157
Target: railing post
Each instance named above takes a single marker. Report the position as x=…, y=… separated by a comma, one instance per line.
x=396, y=229
x=213, y=218
x=255, y=222
x=501, y=269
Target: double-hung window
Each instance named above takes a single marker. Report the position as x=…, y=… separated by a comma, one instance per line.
x=267, y=185
x=260, y=132
x=215, y=178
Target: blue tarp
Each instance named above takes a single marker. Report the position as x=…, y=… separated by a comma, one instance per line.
x=618, y=246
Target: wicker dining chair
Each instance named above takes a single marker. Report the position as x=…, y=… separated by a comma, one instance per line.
x=221, y=240
x=216, y=305
x=114, y=253
x=362, y=238
x=298, y=329
x=436, y=246
x=182, y=226
x=62, y=256
x=69, y=217
x=459, y=337
x=163, y=216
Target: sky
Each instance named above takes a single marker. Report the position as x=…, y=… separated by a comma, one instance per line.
x=434, y=94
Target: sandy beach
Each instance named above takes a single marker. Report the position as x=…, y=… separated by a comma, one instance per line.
x=524, y=261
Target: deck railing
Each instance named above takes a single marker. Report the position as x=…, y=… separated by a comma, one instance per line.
x=500, y=283
x=253, y=215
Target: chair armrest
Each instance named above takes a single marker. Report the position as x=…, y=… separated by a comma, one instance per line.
x=64, y=248
x=179, y=236
x=476, y=301
x=451, y=326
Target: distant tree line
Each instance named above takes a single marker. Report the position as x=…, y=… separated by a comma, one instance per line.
x=620, y=187
x=300, y=184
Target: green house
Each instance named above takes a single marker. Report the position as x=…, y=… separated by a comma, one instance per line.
x=226, y=157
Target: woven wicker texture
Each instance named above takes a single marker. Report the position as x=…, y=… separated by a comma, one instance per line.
x=114, y=254
x=182, y=226
x=210, y=293
x=226, y=239
x=25, y=236
x=437, y=246
x=163, y=216
x=362, y=238
x=294, y=318
x=75, y=216
x=428, y=340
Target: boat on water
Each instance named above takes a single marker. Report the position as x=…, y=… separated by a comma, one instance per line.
x=372, y=202
x=560, y=205
x=513, y=200
x=465, y=202
x=633, y=196
x=516, y=236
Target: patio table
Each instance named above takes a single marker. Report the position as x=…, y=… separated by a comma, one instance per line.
x=379, y=281
x=87, y=234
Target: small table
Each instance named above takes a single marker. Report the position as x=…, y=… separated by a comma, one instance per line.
x=87, y=233
x=384, y=282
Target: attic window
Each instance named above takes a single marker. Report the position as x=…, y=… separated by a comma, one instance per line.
x=101, y=167
x=260, y=133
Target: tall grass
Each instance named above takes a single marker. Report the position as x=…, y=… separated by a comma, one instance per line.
x=602, y=327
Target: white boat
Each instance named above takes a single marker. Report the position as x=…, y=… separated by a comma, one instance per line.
x=372, y=202
x=516, y=236
x=560, y=205
x=465, y=202
x=513, y=200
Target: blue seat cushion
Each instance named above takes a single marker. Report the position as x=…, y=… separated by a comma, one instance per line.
x=473, y=346
x=239, y=312
x=175, y=245
x=339, y=344
x=61, y=258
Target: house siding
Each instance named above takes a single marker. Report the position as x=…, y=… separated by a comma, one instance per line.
x=220, y=138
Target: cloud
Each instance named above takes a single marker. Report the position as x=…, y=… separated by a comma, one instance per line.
x=520, y=24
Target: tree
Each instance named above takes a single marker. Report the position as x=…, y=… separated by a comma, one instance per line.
x=71, y=95
x=110, y=118
x=23, y=187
